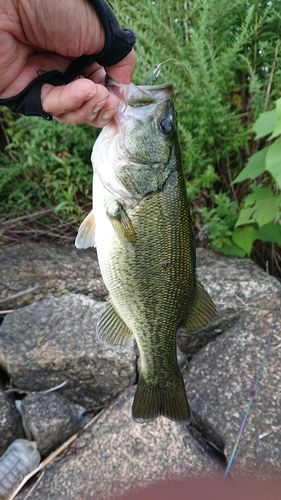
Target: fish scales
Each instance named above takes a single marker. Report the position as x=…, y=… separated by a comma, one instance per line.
x=157, y=292
x=143, y=233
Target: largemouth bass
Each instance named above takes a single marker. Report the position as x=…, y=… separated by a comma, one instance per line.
x=142, y=229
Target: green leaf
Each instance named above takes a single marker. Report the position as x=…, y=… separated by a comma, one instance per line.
x=267, y=212
x=265, y=123
x=277, y=128
x=233, y=250
x=264, y=205
x=270, y=232
x=273, y=161
x=259, y=194
x=254, y=167
x=244, y=237
x=245, y=217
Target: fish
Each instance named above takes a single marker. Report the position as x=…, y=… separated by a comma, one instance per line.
x=141, y=227
x=20, y=458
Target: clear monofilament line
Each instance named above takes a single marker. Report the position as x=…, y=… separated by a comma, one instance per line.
x=153, y=75
x=251, y=400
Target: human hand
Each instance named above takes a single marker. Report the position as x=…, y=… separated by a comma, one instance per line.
x=43, y=35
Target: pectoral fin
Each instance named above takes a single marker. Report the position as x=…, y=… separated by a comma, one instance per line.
x=122, y=225
x=86, y=232
x=202, y=311
x=112, y=329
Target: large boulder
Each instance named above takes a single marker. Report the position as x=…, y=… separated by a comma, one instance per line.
x=54, y=341
x=10, y=422
x=117, y=454
x=33, y=271
x=232, y=284
x=220, y=381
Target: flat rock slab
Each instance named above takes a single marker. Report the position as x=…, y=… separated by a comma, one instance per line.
x=54, y=341
x=232, y=284
x=219, y=383
x=10, y=422
x=32, y=271
x=117, y=454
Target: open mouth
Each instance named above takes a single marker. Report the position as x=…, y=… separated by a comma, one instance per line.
x=140, y=95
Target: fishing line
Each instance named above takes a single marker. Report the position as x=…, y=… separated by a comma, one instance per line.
x=253, y=394
x=151, y=77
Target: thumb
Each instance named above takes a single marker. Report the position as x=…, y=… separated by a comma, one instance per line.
x=122, y=71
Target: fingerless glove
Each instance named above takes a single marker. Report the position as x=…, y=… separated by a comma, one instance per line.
x=118, y=43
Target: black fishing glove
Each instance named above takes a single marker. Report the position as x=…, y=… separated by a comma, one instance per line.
x=118, y=43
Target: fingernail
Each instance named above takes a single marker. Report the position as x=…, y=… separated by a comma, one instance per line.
x=106, y=117
x=91, y=94
x=95, y=111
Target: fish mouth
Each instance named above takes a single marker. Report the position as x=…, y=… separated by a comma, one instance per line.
x=159, y=86
x=110, y=83
x=140, y=95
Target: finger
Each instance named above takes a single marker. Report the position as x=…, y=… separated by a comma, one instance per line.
x=96, y=73
x=93, y=112
x=107, y=112
x=70, y=97
x=122, y=72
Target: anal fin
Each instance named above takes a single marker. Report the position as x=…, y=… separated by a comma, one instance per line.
x=112, y=329
x=202, y=310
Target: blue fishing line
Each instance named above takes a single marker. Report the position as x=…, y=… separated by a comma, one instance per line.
x=250, y=402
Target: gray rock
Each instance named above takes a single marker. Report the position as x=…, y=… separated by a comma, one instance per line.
x=50, y=419
x=117, y=454
x=53, y=341
x=33, y=271
x=232, y=284
x=219, y=383
x=10, y=422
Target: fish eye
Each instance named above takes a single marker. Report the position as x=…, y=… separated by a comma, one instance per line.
x=167, y=125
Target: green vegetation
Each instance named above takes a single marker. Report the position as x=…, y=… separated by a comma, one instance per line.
x=224, y=61
x=45, y=165
x=259, y=215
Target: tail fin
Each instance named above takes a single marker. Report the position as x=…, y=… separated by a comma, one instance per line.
x=151, y=401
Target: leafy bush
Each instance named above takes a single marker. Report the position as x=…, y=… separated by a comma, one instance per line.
x=234, y=230
x=223, y=59
x=45, y=165
x=260, y=215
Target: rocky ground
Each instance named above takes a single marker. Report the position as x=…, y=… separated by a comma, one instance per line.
x=50, y=299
